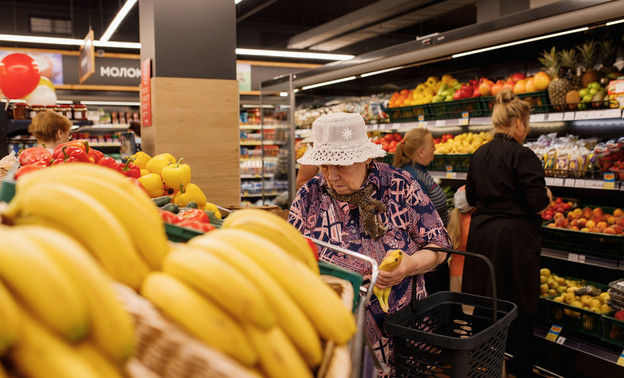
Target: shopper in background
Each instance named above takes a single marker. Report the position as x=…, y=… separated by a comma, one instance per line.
x=50, y=129
x=414, y=154
x=371, y=208
x=506, y=185
x=458, y=227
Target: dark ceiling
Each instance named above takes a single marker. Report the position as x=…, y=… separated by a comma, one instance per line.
x=267, y=24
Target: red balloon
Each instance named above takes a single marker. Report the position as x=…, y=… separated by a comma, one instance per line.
x=19, y=75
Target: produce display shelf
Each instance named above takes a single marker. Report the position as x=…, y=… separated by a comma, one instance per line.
x=583, y=259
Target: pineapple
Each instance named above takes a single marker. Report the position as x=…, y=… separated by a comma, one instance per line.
x=588, y=52
x=568, y=60
x=608, y=54
x=559, y=85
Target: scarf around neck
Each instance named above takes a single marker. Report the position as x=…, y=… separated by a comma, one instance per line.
x=368, y=206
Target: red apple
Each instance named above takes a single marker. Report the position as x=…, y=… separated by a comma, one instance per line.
x=517, y=77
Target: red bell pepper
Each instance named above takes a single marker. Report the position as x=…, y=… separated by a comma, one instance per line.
x=196, y=225
x=21, y=171
x=109, y=162
x=168, y=216
x=95, y=154
x=80, y=144
x=194, y=214
x=35, y=154
x=78, y=153
x=130, y=169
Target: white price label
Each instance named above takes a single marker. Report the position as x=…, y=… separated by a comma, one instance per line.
x=451, y=175
x=581, y=258
x=555, y=116
x=569, y=183
x=424, y=124
x=537, y=118
x=463, y=121
x=560, y=340
x=613, y=113
x=558, y=181
x=569, y=116
x=579, y=183
x=573, y=257
x=549, y=181
x=371, y=127
x=440, y=122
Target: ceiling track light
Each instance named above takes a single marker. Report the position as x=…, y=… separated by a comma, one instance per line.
x=123, y=12
x=293, y=54
x=328, y=82
x=477, y=51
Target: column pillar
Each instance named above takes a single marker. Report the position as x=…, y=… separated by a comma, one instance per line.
x=194, y=90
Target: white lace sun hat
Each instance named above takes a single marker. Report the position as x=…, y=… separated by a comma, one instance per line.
x=340, y=139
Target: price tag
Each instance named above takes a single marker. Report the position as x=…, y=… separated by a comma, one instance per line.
x=581, y=258
x=553, y=332
x=440, y=122
x=608, y=180
x=537, y=118
x=569, y=116
x=372, y=127
x=613, y=113
x=581, y=115
x=570, y=183
x=451, y=175
x=620, y=360
x=579, y=183
x=463, y=121
x=558, y=181
x=573, y=257
x=560, y=340
x=555, y=116
x=549, y=181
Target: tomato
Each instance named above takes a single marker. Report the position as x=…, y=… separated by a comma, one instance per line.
x=194, y=214
x=168, y=216
x=389, y=137
x=27, y=169
x=196, y=225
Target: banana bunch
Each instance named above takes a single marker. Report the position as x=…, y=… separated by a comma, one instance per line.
x=110, y=215
x=243, y=295
x=59, y=314
x=275, y=228
x=390, y=262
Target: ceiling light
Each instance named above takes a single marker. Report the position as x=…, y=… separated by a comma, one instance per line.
x=46, y=40
x=123, y=45
x=381, y=71
x=614, y=22
x=294, y=54
x=120, y=16
x=64, y=102
x=251, y=106
x=111, y=103
x=328, y=83
x=519, y=42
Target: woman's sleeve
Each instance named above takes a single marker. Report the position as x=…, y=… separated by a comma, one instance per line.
x=530, y=176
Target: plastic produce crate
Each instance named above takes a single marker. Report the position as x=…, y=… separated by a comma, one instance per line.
x=336, y=271
x=459, y=162
x=612, y=330
x=454, y=109
x=406, y=113
x=180, y=234
x=579, y=319
x=537, y=100
x=586, y=243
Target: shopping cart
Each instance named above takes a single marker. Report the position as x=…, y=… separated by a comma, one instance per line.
x=356, y=345
x=450, y=334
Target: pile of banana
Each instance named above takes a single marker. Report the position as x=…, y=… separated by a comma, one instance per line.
x=253, y=294
x=59, y=314
x=105, y=211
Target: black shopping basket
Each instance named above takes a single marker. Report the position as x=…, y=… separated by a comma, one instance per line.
x=439, y=336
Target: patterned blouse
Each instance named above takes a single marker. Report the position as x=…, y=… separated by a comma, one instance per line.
x=410, y=218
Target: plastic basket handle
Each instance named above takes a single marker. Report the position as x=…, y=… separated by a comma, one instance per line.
x=490, y=266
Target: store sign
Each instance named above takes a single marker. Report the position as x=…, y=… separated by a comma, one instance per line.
x=108, y=71
x=146, y=93
x=87, y=58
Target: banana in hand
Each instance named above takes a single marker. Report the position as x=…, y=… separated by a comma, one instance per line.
x=390, y=262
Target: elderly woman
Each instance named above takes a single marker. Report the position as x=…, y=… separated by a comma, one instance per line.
x=368, y=207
